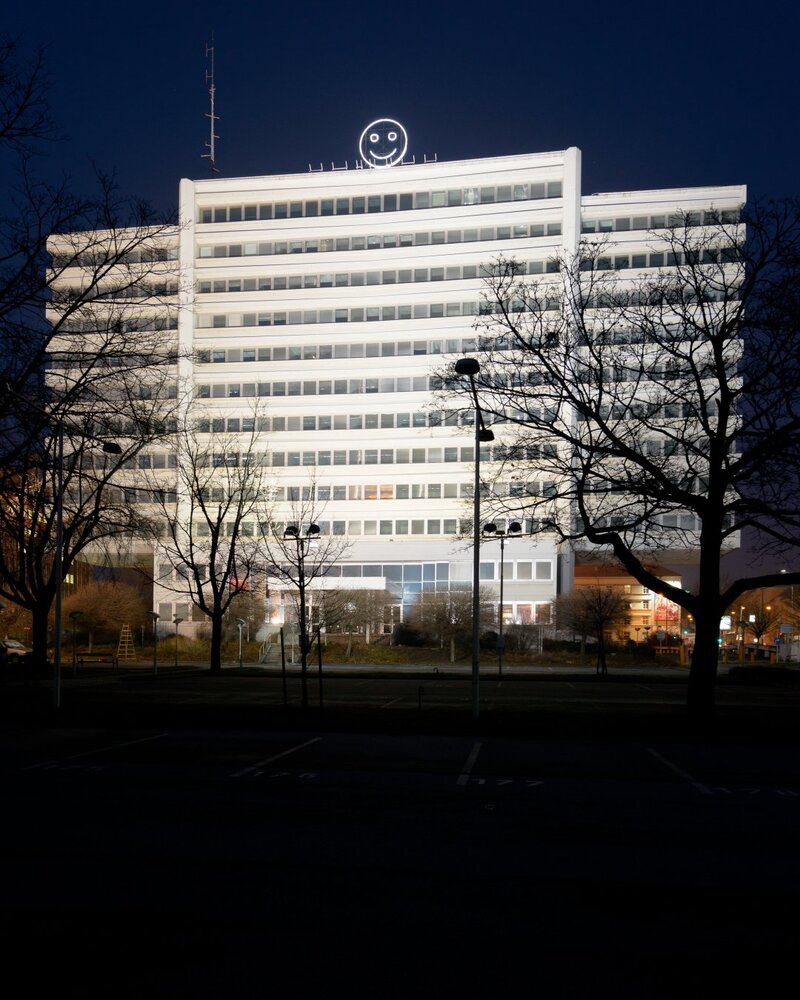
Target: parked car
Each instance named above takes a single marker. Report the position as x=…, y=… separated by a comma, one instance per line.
x=13, y=648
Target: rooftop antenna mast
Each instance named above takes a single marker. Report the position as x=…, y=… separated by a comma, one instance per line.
x=213, y=117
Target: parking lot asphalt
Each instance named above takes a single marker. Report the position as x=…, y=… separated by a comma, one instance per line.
x=547, y=700
x=198, y=836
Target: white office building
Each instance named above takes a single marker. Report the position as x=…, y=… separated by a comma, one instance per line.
x=321, y=304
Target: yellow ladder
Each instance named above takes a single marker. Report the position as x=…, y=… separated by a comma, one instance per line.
x=125, y=650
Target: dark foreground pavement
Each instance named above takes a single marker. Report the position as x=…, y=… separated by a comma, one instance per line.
x=188, y=836
x=567, y=702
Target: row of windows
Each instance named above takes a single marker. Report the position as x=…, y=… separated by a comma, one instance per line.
x=661, y=221
x=93, y=258
x=352, y=456
x=400, y=526
x=142, y=324
x=399, y=491
x=367, y=204
x=370, y=314
x=335, y=422
x=660, y=296
x=357, y=314
x=130, y=290
x=321, y=387
x=381, y=456
x=686, y=522
x=325, y=352
x=395, y=573
x=353, y=279
x=621, y=262
x=380, y=241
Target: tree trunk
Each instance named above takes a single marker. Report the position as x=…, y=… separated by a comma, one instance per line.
x=703, y=671
x=215, y=659
x=91, y=640
x=349, y=649
x=452, y=649
x=700, y=702
x=602, y=669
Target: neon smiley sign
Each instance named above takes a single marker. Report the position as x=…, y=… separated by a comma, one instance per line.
x=383, y=143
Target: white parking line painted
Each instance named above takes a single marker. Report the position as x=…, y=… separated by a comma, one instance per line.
x=463, y=778
x=88, y=753
x=394, y=701
x=277, y=756
x=681, y=773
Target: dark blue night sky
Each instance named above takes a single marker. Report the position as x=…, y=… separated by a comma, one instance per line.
x=685, y=93
x=656, y=95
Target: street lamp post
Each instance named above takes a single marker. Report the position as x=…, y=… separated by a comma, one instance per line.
x=177, y=622
x=470, y=368
x=240, y=624
x=155, y=616
x=491, y=530
x=292, y=533
x=791, y=606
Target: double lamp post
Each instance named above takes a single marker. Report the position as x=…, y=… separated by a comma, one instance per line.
x=302, y=543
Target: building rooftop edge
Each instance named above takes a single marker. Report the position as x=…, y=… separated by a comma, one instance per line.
x=554, y=155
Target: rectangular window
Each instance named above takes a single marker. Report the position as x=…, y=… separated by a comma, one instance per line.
x=524, y=570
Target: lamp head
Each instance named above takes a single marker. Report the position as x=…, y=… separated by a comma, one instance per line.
x=467, y=366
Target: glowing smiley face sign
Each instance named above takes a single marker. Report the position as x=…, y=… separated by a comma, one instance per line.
x=383, y=143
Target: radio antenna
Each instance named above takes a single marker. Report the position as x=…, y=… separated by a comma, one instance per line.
x=212, y=116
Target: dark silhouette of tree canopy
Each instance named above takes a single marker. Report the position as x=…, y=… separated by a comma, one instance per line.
x=446, y=615
x=299, y=553
x=656, y=409
x=594, y=611
x=208, y=529
x=83, y=355
x=104, y=605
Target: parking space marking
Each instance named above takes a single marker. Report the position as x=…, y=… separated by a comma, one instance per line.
x=681, y=774
x=88, y=753
x=463, y=778
x=277, y=756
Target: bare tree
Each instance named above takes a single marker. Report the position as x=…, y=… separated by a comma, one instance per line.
x=447, y=615
x=83, y=354
x=209, y=535
x=764, y=617
x=594, y=611
x=299, y=554
x=112, y=251
x=105, y=604
x=64, y=488
x=354, y=612
x=658, y=409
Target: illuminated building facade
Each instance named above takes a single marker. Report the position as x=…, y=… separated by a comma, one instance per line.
x=321, y=305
